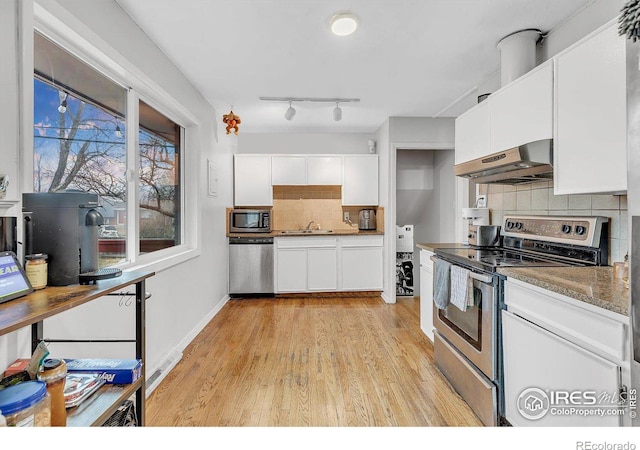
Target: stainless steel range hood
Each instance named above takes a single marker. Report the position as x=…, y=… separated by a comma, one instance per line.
x=529, y=163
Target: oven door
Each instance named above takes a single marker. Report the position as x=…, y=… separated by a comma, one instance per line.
x=472, y=332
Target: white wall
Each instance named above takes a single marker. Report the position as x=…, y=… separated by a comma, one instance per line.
x=304, y=143
x=186, y=296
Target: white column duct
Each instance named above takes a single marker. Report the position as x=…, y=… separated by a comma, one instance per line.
x=517, y=54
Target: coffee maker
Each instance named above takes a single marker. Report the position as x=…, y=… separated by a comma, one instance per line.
x=8, y=234
x=64, y=225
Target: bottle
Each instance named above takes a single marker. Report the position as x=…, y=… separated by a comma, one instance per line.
x=54, y=373
x=36, y=269
x=26, y=404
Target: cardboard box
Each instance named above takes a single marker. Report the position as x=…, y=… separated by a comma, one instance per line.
x=17, y=366
x=112, y=371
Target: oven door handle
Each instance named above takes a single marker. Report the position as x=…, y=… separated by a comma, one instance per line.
x=483, y=278
x=476, y=276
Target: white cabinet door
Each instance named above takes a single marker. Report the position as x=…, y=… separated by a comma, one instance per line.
x=252, y=180
x=324, y=170
x=322, y=271
x=362, y=269
x=522, y=111
x=360, y=185
x=537, y=359
x=288, y=170
x=472, y=133
x=426, y=293
x=590, y=133
x=291, y=270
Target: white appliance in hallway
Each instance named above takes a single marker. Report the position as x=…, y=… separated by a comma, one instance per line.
x=404, y=260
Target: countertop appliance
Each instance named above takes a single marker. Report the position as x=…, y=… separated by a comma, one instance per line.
x=468, y=344
x=251, y=266
x=367, y=219
x=527, y=163
x=65, y=225
x=484, y=235
x=250, y=221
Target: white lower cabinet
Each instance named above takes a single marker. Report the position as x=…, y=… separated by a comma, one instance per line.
x=326, y=264
x=291, y=270
x=557, y=370
x=361, y=263
x=322, y=269
x=305, y=264
x=426, y=293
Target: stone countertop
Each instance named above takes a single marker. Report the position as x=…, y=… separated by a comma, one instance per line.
x=433, y=246
x=594, y=285
x=279, y=233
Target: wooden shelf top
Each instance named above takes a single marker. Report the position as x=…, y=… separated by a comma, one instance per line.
x=52, y=300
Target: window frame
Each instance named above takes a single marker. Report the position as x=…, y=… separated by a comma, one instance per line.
x=139, y=87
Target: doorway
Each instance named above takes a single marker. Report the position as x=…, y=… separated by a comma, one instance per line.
x=425, y=195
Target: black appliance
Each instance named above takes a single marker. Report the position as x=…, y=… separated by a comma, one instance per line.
x=8, y=234
x=468, y=344
x=65, y=225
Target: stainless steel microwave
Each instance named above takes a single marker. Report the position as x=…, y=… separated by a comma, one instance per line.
x=250, y=221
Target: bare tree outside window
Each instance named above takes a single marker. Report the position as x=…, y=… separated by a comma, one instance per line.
x=82, y=146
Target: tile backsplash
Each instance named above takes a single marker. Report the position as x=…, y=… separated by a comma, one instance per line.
x=538, y=199
x=295, y=206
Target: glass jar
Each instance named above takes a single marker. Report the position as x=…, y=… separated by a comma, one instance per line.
x=26, y=404
x=36, y=269
x=54, y=373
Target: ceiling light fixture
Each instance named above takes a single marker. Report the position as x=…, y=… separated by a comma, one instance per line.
x=290, y=112
x=337, y=113
x=343, y=24
x=63, y=102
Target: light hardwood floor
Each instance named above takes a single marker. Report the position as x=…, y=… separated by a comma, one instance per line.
x=342, y=361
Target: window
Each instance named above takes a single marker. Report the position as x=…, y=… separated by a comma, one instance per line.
x=80, y=143
x=159, y=148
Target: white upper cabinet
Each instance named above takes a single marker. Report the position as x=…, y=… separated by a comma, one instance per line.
x=324, y=170
x=306, y=170
x=472, y=133
x=590, y=99
x=288, y=170
x=360, y=185
x=522, y=111
x=252, y=180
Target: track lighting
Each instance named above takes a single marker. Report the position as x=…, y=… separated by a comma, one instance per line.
x=290, y=112
x=337, y=113
x=63, y=102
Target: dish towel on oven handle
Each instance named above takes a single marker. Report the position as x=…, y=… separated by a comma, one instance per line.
x=441, y=284
x=461, y=288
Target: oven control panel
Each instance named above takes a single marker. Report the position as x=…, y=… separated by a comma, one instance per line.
x=573, y=230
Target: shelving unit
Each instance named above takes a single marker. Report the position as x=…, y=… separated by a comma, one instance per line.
x=32, y=309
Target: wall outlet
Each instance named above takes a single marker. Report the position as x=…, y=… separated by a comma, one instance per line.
x=481, y=201
x=346, y=216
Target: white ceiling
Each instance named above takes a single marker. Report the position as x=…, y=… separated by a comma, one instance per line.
x=407, y=58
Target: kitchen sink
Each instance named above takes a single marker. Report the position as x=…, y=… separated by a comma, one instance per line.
x=306, y=232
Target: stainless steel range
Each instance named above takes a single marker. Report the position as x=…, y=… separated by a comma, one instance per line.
x=468, y=338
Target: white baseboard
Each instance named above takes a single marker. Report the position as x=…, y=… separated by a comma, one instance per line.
x=156, y=374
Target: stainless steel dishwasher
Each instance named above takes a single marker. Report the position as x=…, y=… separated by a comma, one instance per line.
x=251, y=266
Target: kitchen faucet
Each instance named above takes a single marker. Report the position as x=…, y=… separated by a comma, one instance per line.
x=309, y=225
